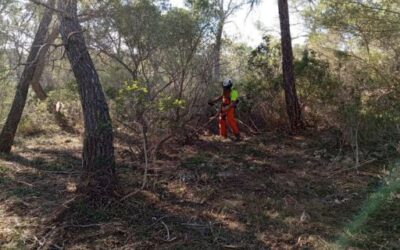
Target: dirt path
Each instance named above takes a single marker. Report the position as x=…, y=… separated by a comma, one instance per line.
x=271, y=192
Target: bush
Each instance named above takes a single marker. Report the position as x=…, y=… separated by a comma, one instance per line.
x=29, y=126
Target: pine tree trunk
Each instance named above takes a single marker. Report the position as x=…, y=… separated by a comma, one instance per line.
x=98, y=163
x=9, y=130
x=217, y=52
x=292, y=102
x=41, y=64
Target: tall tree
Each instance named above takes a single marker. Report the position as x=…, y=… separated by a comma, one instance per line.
x=292, y=103
x=217, y=12
x=98, y=157
x=41, y=64
x=223, y=11
x=9, y=130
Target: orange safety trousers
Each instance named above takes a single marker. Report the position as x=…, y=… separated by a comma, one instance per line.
x=228, y=118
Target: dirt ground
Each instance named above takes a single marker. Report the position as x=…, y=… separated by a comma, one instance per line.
x=266, y=192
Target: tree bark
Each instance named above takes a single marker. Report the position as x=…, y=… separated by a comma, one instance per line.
x=9, y=130
x=292, y=103
x=217, y=51
x=98, y=179
x=41, y=64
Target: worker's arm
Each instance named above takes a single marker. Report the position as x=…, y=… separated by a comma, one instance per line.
x=215, y=100
x=227, y=107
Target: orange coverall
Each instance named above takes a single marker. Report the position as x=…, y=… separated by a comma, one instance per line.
x=227, y=117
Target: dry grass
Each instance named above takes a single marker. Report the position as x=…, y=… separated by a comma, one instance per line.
x=270, y=192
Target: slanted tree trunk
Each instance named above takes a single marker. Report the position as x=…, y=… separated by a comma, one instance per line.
x=9, y=130
x=292, y=102
x=41, y=64
x=98, y=179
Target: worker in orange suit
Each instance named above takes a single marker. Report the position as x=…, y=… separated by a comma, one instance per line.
x=229, y=100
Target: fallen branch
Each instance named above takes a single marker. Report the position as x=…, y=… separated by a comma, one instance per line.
x=254, y=124
x=248, y=127
x=61, y=172
x=129, y=195
x=127, y=125
x=206, y=124
x=154, y=150
x=62, y=210
x=146, y=161
x=166, y=228
x=25, y=183
x=356, y=167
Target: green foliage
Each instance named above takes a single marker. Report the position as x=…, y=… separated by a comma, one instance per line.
x=30, y=126
x=5, y=101
x=262, y=81
x=377, y=210
x=168, y=103
x=265, y=60
x=133, y=100
x=315, y=81
x=360, y=41
x=263, y=75
x=138, y=22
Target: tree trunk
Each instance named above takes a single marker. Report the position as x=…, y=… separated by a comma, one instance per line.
x=10, y=128
x=98, y=179
x=41, y=64
x=292, y=102
x=217, y=51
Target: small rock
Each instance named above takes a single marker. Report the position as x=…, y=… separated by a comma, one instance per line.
x=377, y=155
x=337, y=158
x=348, y=161
x=304, y=217
x=185, y=177
x=303, y=145
x=291, y=184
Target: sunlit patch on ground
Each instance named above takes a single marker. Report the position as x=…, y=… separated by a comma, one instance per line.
x=265, y=193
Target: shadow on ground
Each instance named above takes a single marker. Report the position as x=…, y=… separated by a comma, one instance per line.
x=271, y=192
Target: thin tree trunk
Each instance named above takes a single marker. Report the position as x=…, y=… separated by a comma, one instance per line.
x=98, y=179
x=145, y=152
x=292, y=102
x=217, y=51
x=9, y=130
x=41, y=64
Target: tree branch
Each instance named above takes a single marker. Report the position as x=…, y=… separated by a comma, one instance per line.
x=50, y=7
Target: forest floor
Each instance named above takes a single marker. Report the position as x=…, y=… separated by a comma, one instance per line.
x=266, y=192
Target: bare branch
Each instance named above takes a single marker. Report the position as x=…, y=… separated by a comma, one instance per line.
x=50, y=7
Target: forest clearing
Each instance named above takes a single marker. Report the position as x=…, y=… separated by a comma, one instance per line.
x=149, y=124
x=270, y=192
